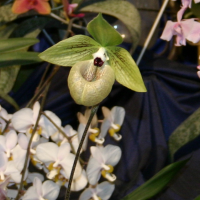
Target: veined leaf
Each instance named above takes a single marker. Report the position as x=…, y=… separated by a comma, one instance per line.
x=157, y=183
x=18, y=58
x=103, y=32
x=6, y=30
x=13, y=44
x=126, y=71
x=185, y=133
x=9, y=100
x=124, y=11
x=71, y=50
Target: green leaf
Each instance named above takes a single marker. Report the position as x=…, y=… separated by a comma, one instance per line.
x=157, y=183
x=71, y=50
x=197, y=198
x=6, y=14
x=103, y=32
x=6, y=30
x=13, y=44
x=9, y=100
x=195, y=9
x=126, y=71
x=184, y=133
x=18, y=58
x=124, y=11
x=7, y=78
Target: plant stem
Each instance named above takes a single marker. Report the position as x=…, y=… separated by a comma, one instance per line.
x=55, y=70
x=93, y=112
x=29, y=144
x=7, y=124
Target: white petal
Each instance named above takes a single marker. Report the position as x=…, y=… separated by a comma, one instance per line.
x=36, y=109
x=81, y=118
x=104, y=190
x=47, y=152
x=38, y=186
x=2, y=143
x=104, y=128
x=23, y=141
x=93, y=171
x=63, y=150
x=56, y=137
x=118, y=114
x=22, y=119
x=4, y=114
x=106, y=113
x=31, y=177
x=79, y=183
x=97, y=154
x=30, y=194
x=112, y=154
x=3, y=161
x=11, y=139
x=86, y=194
x=69, y=131
x=50, y=190
x=19, y=155
x=67, y=163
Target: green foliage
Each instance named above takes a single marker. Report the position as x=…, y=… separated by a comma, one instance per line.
x=157, y=183
x=185, y=133
x=6, y=15
x=197, y=198
x=69, y=51
x=103, y=32
x=126, y=71
x=124, y=11
x=195, y=9
x=14, y=44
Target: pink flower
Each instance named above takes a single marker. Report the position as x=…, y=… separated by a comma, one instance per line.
x=186, y=29
x=22, y=6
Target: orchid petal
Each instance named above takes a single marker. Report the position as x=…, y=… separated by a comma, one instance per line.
x=11, y=139
x=81, y=118
x=3, y=161
x=104, y=128
x=63, y=151
x=194, y=35
x=30, y=194
x=107, y=113
x=86, y=194
x=19, y=155
x=20, y=6
x=97, y=154
x=22, y=119
x=118, y=114
x=105, y=190
x=180, y=13
x=111, y=154
x=187, y=26
x=69, y=131
x=50, y=190
x=47, y=152
x=38, y=186
x=93, y=171
x=31, y=176
x=2, y=143
x=42, y=7
x=23, y=141
x=36, y=109
x=168, y=31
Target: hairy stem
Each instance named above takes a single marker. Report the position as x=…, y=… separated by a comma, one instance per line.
x=93, y=112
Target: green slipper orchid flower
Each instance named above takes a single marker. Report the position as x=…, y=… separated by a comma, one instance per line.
x=95, y=63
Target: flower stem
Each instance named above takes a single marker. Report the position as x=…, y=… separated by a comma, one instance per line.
x=93, y=112
x=29, y=144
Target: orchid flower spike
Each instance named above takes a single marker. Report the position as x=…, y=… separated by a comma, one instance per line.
x=93, y=131
x=102, y=162
x=41, y=191
x=112, y=123
x=102, y=191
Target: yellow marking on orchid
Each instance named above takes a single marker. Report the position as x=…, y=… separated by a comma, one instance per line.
x=104, y=172
x=39, y=131
x=92, y=137
x=10, y=158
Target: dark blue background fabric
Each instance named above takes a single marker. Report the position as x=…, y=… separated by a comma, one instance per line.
x=173, y=95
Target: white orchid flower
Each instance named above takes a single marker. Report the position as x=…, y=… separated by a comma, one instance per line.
x=70, y=133
x=57, y=158
x=25, y=119
x=102, y=191
x=92, y=132
x=112, y=123
x=48, y=190
x=8, y=142
x=101, y=162
x=3, y=188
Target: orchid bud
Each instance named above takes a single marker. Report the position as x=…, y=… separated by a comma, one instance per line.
x=90, y=84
